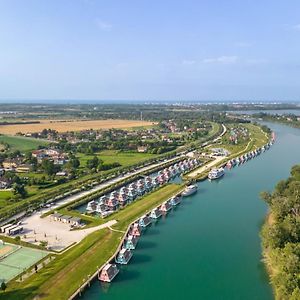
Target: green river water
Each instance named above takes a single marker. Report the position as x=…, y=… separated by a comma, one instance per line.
x=209, y=246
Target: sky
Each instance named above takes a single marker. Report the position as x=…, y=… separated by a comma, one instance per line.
x=150, y=50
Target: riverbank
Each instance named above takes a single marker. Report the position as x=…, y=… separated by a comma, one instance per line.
x=280, y=237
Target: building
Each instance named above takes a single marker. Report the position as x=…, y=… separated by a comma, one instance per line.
x=142, y=149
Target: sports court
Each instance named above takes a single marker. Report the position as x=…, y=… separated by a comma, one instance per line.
x=16, y=259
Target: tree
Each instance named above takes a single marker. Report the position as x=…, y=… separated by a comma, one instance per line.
x=48, y=167
x=92, y=163
x=3, y=286
x=19, y=189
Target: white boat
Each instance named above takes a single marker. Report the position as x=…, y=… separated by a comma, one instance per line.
x=190, y=190
x=216, y=173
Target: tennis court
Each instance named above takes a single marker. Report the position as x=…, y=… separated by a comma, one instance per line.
x=15, y=259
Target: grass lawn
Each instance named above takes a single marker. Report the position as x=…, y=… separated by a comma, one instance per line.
x=111, y=156
x=4, y=196
x=59, y=279
x=22, y=143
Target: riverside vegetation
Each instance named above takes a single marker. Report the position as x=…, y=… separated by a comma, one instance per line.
x=281, y=237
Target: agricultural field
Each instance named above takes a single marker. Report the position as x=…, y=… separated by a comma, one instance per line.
x=21, y=143
x=111, y=156
x=71, y=125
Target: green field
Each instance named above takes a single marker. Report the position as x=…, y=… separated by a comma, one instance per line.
x=22, y=143
x=62, y=273
x=111, y=156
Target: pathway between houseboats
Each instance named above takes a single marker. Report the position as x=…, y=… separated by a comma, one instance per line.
x=209, y=246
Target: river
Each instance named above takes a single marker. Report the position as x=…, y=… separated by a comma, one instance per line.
x=209, y=246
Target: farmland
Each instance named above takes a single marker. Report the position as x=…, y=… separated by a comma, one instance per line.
x=21, y=143
x=71, y=125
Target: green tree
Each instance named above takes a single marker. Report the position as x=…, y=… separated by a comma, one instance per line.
x=3, y=286
x=92, y=163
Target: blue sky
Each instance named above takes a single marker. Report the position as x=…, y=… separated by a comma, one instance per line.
x=150, y=49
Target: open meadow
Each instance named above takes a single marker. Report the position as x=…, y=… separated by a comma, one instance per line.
x=71, y=125
x=21, y=143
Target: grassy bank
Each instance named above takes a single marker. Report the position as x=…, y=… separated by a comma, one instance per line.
x=60, y=278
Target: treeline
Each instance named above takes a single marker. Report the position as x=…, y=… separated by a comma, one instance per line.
x=281, y=236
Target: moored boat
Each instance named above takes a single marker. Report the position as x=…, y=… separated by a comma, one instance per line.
x=166, y=206
x=175, y=200
x=216, y=173
x=144, y=221
x=108, y=273
x=131, y=242
x=190, y=190
x=155, y=213
x=124, y=256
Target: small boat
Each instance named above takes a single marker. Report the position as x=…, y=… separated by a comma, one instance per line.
x=144, y=221
x=131, y=242
x=108, y=273
x=190, y=190
x=175, y=200
x=124, y=256
x=216, y=173
x=155, y=213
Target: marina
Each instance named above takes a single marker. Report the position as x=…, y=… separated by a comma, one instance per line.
x=207, y=221
x=116, y=199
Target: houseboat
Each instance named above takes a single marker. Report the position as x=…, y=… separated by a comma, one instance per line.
x=135, y=230
x=144, y=221
x=108, y=273
x=190, y=190
x=131, y=242
x=91, y=206
x=166, y=206
x=155, y=213
x=124, y=256
x=175, y=200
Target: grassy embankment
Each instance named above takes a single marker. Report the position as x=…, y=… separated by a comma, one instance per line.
x=60, y=278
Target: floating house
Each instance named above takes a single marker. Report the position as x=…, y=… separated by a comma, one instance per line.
x=166, y=206
x=144, y=221
x=135, y=230
x=124, y=256
x=108, y=273
x=91, y=206
x=155, y=213
x=131, y=242
x=175, y=200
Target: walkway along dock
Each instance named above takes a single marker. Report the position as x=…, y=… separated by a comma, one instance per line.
x=111, y=260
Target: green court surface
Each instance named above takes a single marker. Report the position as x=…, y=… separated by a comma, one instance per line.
x=15, y=259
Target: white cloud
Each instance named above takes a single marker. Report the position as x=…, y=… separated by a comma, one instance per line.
x=102, y=25
x=188, y=62
x=221, y=59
